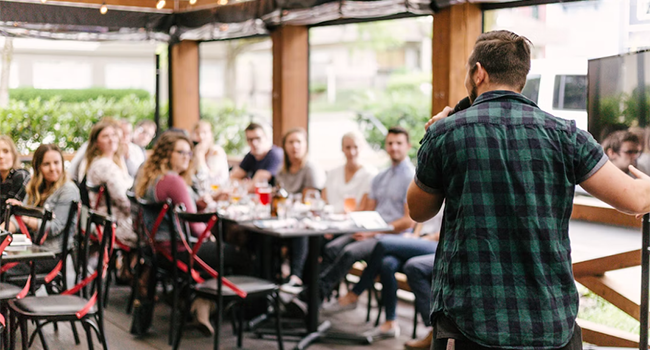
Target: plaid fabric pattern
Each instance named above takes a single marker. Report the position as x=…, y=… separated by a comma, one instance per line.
x=507, y=170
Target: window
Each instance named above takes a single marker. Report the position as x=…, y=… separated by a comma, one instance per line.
x=531, y=89
x=570, y=92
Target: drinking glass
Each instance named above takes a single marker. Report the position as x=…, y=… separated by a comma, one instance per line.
x=349, y=204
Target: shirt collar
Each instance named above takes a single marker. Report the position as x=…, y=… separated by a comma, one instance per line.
x=401, y=165
x=499, y=94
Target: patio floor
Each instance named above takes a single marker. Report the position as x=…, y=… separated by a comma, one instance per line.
x=588, y=240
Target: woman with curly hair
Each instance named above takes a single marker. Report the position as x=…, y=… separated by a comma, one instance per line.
x=51, y=189
x=105, y=166
x=167, y=174
x=13, y=179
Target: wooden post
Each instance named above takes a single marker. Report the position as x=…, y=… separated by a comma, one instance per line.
x=185, y=88
x=290, y=80
x=455, y=30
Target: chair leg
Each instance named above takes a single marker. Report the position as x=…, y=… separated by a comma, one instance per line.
x=89, y=335
x=278, y=320
x=240, y=328
x=415, y=323
x=369, y=303
x=179, y=330
x=75, y=333
x=23, y=333
x=380, y=307
x=39, y=329
x=12, y=331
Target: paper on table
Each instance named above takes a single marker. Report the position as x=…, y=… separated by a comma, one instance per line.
x=370, y=220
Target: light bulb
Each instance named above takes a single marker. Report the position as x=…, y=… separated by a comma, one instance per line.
x=160, y=4
x=43, y=1
x=222, y=2
x=103, y=9
x=192, y=2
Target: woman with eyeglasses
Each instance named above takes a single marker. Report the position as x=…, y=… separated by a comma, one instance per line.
x=167, y=175
x=13, y=179
x=104, y=165
x=51, y=189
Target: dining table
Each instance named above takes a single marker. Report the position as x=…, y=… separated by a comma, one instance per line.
x=314, y=228
x=27, y=254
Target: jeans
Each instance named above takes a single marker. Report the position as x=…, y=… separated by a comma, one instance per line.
x=299, y=251
x=339, y=256
x=388, y=257
x=419, y=271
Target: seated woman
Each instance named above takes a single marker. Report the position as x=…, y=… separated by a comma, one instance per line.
x=210, y=160
x=49, y=188
x=351, y=180
x=298, y=175
x=13, y=179
x=389, y=256
x=105, y=166
x=167, y=174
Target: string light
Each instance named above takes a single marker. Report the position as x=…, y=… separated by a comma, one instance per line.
x=160, y=4
x=103, y=9
x=192, y=2
x=43, y=1
x=222, y=2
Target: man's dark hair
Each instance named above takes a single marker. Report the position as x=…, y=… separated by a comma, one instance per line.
x=505, y=57
x=145, y=122
x=616, y=139
x=400, y=130
x=254, y=126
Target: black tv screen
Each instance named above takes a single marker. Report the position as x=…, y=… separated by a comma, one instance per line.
x=618, y=96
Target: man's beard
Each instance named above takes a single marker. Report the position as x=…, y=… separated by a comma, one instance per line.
x=473, y=93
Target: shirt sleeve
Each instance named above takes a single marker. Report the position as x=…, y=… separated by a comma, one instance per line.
x=427, y=173
x=60, y=207
x=275, y=161
x=19, y=186
x=174, y=188
x=374, y=188
x=315, y=177
x=247, y=163
x=589, y=156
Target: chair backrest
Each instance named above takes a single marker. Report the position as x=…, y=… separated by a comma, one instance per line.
x=106, y=244
x=210, y=219
x=5, y=240
x=68, y=231
x=39, y=213
x=102, y=194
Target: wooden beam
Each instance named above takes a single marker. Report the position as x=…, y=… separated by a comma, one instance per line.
x=599, y=266
x=600, y=335
x=290, y=80
x=455, y=30
x=624, y=296
x=185, y=84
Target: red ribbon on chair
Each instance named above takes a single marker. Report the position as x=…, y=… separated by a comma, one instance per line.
x=22, y=226
x=23, y=293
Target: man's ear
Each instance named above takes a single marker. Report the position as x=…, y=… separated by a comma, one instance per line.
x=610, y=153
x=480, y=75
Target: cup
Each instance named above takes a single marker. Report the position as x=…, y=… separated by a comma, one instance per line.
x=349, y=204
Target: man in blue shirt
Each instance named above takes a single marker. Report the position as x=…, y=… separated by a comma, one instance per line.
x=262, y=162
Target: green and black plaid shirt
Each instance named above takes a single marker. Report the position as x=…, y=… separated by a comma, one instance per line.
x=507, y=170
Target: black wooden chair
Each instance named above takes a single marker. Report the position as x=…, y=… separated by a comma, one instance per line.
x=238, y=289
x=74, y=304
x=7, y=291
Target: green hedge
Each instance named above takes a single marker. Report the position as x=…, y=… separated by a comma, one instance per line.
x=30, y=123
x=75, y=95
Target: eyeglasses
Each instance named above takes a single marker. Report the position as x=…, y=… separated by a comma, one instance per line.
x=631, y=152
x=185, y=153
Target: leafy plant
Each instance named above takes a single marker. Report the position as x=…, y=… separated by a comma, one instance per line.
x=75, y=95
x=402, y=104
x=228, y=122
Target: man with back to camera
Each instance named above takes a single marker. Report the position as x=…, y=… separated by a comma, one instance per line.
x=622, y=148
x=262, y=162
x=502, y=275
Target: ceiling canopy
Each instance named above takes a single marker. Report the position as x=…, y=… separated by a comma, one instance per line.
x=174, y=20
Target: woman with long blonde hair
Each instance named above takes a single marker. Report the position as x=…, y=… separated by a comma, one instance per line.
x=13, y=179
x=49, y=188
